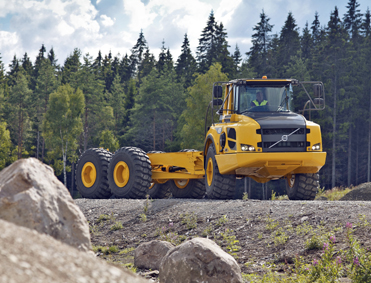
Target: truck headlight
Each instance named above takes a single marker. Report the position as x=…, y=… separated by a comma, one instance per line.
x=247, y=147
x=316, y=146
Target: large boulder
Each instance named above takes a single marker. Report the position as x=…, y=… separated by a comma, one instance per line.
x=199, y=260
x=149, y=255
x=31, y=196
x=27, y=256
x=361, y=192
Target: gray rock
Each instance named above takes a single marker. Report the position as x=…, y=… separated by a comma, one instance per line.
x=149, y=255
x=31, y=196
x=199, y=260
x=361, y=192
x=28, y=256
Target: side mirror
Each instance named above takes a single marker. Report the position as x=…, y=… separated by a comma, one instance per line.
x=217, y=102
x=319, y=102
x=317, y=89
x=217, y=91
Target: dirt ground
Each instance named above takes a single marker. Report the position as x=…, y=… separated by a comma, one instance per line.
x=257, y=233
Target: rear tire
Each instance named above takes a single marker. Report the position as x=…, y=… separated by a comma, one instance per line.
x=187, y=188
x=218, y=186
x=159, y=191
x=91, y=173
x=302, y=186
x=129, y=173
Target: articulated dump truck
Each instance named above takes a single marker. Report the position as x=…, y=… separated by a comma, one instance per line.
x=250, y=131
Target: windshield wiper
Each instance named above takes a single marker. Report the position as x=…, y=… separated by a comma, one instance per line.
x=284, y=100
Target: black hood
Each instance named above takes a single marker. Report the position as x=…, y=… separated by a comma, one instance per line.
x=272, y=120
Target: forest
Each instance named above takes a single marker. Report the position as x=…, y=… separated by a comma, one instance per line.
x=54, y=111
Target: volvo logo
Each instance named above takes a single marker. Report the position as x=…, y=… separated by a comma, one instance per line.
x=284, y=138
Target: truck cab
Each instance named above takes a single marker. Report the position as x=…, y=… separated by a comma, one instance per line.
x=259, y=136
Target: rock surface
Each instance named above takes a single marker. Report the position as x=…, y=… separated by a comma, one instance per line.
x=31, y=196
x=149, y=255
x=199, y=260
x=27, y=256
x=361, y=192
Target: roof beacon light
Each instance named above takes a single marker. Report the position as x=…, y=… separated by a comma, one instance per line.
x=264, y=77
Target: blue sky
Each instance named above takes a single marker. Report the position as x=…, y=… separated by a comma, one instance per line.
x=93, y=25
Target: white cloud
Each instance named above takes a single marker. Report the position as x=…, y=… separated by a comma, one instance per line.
x=141, y=16
x=107, y=21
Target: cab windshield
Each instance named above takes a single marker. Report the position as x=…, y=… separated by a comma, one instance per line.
x=262, y=99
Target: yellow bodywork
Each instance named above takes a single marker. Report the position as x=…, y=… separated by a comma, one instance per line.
x=258, y=165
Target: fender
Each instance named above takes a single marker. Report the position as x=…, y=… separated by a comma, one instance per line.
x=209, y=140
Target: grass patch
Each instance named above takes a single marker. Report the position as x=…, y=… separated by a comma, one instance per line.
x=333, y=194
x=105, y=217
x=116, y=226
x=105, y=250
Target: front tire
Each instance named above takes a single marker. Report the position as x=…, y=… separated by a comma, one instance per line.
x=218, y=186
x=302, y=186
x=129, y=173
x=91, y=173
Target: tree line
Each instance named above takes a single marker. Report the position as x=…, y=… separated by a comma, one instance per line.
x=54, y=112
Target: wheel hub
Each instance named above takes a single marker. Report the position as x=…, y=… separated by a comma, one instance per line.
x=209, y=171
x=121, y=174
x=181, y=184
x=88, y=174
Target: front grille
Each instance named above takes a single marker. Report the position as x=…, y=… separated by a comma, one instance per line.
x=283, y=140
x=283, y=131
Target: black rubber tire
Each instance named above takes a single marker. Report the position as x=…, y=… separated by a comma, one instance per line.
x=158, y=191
x=194, y=189
x=100, y=158
x=303, y=186
x=222, y=186
x=139, y=173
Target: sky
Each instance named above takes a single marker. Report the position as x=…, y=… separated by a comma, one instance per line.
x=114, y=25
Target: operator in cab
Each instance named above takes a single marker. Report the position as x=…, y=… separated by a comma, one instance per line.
x=259, y=101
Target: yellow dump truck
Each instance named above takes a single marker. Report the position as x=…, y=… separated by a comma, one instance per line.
x=255, y=135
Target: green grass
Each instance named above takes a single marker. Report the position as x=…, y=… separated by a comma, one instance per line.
x=333, y=194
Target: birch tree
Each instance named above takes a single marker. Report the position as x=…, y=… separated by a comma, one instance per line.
x=62, y=124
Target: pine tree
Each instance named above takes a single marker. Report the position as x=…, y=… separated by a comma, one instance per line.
x=289, y=42
x=14, y=68
x=306, y=43
x=137, y=53
x=258, y=54
x=366, y=24
x=46, y=83
x=161, y=58
x=124, y=69
x=316, y=29
x=206, y=50
x=186, y=64
x=352, y=20
x=92, y=87
x=148, y=63
x=40, y=57
x=222, y=53
x=27, y=66
x=237, y=58
x=117, y=101
x=71, y=68
x=19, y=101
x=334, y=56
